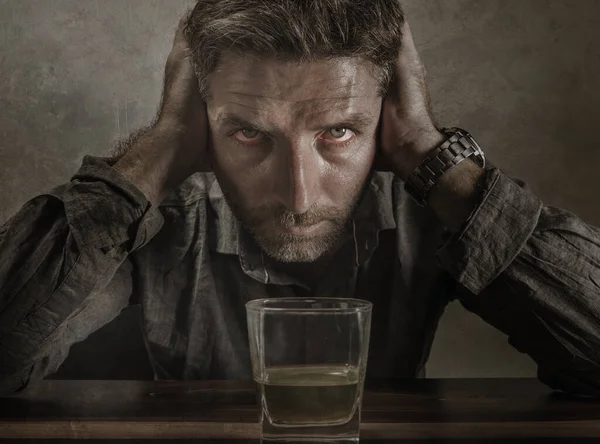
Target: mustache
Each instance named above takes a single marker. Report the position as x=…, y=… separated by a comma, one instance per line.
x=284, y=217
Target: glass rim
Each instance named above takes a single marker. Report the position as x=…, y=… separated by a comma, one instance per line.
x=360, y=305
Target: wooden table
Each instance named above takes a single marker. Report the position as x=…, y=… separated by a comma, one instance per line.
x=458, y=410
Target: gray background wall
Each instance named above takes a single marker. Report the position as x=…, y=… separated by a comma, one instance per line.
x=521, y=75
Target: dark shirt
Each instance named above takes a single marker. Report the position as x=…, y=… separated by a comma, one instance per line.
x=72, y=259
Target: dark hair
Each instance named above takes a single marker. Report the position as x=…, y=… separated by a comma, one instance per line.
x=300, y=30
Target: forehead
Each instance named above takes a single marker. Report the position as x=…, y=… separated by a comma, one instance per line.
x=263, y=83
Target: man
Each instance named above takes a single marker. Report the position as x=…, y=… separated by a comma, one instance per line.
x=294, y=154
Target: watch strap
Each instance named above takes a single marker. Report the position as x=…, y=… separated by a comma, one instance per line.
x=458, y=147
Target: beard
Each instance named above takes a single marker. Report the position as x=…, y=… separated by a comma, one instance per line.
x=263, y=223
x=267, y=223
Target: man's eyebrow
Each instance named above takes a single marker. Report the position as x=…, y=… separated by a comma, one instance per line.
x=235, y=120
x=360, y=120
x=357, y=119
x=341, y=99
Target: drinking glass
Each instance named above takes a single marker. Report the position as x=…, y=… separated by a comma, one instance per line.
x=309, y=358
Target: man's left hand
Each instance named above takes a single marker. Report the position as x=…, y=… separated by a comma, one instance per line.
x=408, y=132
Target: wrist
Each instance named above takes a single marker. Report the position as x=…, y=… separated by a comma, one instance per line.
x=457, y=194
x=171, y=130
x=151, y=162
x=447, y=176
x=414, y=149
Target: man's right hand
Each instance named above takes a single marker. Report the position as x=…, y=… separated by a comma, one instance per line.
x=175, y=147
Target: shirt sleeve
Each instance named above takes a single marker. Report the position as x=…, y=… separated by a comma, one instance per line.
x=64, y=268
x=534, y=273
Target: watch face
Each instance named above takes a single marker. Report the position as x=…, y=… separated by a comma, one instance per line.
x=478, y=156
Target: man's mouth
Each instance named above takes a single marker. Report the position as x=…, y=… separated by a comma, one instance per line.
x=304, y=229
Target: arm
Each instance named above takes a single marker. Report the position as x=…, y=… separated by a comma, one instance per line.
x=63, y=272
x=531, y=271
x=63, y=257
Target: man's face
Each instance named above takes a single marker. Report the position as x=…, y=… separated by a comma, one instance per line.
x=293, y=145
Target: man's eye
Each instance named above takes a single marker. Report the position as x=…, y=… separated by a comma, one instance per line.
x=247, y=135
x=339, y=134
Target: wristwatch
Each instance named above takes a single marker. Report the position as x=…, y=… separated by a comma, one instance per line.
x=459, y=146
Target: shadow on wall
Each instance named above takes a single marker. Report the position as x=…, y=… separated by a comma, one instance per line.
x=125, y=358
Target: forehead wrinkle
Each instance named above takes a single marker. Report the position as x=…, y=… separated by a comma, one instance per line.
x=347, y=116
x=308, y=109
x=327, y=111
x=255, y=96
x=243, y=105
x=350, y=104
x=333, y=102
x=347, y=86
x=312, y=99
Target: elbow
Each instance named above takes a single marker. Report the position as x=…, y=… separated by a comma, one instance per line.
x=572, y=382
x=11, y=385
x=19, y=371
x=15, y=381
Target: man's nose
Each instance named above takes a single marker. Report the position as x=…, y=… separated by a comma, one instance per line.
x=301, y=180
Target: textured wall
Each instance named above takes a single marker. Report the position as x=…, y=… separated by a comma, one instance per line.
x=75, y=75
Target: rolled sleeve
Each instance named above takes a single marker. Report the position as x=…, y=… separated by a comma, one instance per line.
x=494, y=235
x=532, y=272
x=104, y=210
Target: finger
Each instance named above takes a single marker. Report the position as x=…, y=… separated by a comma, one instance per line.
x=408, y=53
x=410, y=84
x=179, y=51
x=410, y=57
x=409, y=71
x=180, y=41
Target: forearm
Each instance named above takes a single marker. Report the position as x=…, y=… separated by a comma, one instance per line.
x=175, y=146
x=552, y=322
x=154, y=163
x=533, y=272
x=456, y=193
x=547, y=303
x=39, y=344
